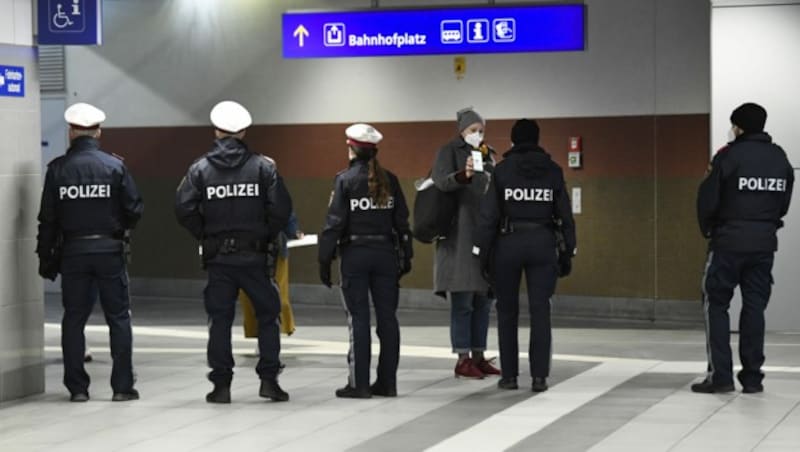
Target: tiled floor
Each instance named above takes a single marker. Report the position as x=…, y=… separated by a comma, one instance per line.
x=611, y=390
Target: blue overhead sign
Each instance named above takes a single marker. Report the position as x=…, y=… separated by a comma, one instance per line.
x=12, y=81
x=498, y=29
x=70, y=22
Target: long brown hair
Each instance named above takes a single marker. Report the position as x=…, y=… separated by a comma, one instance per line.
x=378, y=183
x=377, y=179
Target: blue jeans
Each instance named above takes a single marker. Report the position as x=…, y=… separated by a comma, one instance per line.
x=469, y=321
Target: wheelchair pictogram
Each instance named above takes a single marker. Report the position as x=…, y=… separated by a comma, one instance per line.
x=60, y=19
x=66, y=16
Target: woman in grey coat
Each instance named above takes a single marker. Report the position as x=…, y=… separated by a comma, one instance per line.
x=457, y=273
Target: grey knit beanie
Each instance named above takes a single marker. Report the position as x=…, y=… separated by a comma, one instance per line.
x=466, y=117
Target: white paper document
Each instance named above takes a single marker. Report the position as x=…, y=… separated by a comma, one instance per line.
x=307, y=240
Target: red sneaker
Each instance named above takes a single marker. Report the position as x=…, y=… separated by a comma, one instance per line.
x=487, y=368
x=467, y=369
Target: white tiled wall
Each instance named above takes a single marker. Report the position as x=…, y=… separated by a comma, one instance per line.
x=7, y=21
x=21, y=293
x=16, y=22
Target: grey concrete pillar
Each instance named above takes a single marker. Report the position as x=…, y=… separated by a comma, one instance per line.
x=21, y=293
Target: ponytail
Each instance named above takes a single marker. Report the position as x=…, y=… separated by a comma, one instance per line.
x=378, y=182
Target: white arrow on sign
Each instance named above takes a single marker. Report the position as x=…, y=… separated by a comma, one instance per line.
x=300, y=33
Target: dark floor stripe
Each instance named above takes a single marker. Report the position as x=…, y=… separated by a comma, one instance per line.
x=443, y=422
x=591, y=423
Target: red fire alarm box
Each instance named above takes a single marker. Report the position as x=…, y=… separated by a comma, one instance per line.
x=575, y=144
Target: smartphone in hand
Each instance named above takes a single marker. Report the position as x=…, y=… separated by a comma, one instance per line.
x=477, y=161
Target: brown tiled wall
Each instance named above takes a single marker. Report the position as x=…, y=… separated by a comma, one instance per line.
x=637, y=236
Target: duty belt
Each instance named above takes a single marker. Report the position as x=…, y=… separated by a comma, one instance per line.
x=365, y=238
x=94, y=237
x=510, y=226
x=231, y=245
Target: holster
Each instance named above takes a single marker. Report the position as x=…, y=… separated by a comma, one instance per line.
x=272, y=259
x=561, y=242
x=399, y=251
x=506, y=227
x=564, y=256
x=126, y=246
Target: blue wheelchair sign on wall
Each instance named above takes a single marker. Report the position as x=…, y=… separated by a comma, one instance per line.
x=12, y=81
x=70, y=22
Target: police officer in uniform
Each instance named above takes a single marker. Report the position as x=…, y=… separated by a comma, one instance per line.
x=367, y=222
x=526, y=199
x=234, y=202
x=740, y=205
x=89, y=201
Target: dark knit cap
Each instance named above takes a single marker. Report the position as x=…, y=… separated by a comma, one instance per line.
x=467, y=117
x=525, y=131
x=749, y=117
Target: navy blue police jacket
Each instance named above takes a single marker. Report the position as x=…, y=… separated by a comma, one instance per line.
x=745, y=195
x=232, y=192
x=527, y=187
x=352, y=212
x=89, y=200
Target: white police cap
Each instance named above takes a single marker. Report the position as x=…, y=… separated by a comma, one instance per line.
x=363, y=134
x=230, y=116
x=84, y=116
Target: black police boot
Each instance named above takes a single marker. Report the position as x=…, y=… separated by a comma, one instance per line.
x=753, y=389
x=349, y=392
x=125, y=396
x=508, y=383
x=383, y=390
x=79, y=397
x=750, y=388
x=539, y=384
x=271, y=390
x=220, y=394
x=708, y=387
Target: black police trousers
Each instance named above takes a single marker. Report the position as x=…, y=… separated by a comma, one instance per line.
x=752, y=272
x=221, y=293
x=83, y=278
x=371, y=270
x=534, y=252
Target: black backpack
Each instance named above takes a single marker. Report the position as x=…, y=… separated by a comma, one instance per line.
x=434, y=211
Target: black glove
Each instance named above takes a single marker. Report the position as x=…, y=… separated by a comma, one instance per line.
x=564, y=265
x=405, y=266
x=48, y=268
x=325, y=274
x=486, y=266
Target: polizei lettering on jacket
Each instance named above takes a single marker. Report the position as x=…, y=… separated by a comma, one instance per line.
x=88, y=191
x=762, y=184
x=529, y=194
x=370, y=204
x=232, y=191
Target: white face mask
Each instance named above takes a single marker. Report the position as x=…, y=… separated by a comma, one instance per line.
x=731, y=135
x=474, y=139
